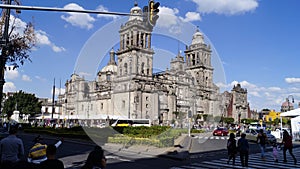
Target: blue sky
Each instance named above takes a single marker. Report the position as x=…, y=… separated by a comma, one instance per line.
x=257, y=42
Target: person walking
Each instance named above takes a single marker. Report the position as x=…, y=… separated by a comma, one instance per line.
x=275, y=151
x=261, y=141
x=243, y=147
x=96, y=159
x=11, y=149
x=232, y=149
x=51, y=161
x=287, y=145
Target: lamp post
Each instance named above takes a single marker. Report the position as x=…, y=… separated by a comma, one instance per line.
x=288, y=101
x=288, y=109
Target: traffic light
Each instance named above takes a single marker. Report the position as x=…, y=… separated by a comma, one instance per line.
x=152, y=12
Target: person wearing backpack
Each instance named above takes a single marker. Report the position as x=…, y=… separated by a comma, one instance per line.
x=231, y=147
x=287, y=145
x=261, y=140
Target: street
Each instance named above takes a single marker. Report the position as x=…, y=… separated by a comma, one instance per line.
x=206, y=151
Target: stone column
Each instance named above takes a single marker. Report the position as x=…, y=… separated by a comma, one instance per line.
x=125, y=41
x=144, y=38
x=149, y=40
x=134, y=36
x=140, y=38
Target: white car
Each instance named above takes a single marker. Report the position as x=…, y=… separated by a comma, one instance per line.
x=251, y=135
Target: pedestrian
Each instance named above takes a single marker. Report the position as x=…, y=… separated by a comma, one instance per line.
x=37, y=153
x=275, y=151
x=96, y=159
x=261, y=141
x=52, y=161
x=287, y=145
x=11, y=149
x=243, y=147
x=232, y=149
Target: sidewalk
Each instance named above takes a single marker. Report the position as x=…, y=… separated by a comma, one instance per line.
x=179, y=151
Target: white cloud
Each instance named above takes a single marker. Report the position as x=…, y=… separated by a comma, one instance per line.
x=19, y=25
x=261, y=97
x=191, y=16
x=81, y=20
x=167, y=17
x=11, y=73
x=274, y=89
x=58, y=49
x=26, y=78
x=292, y=80
x=254, y=93
x=248, y=85
x=40, y=78
x=101, y=8
x=227, y=7
x=43, y=39
x=9, y=87
x=41, y=36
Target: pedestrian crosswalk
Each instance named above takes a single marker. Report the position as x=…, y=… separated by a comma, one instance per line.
x=255, y=162
x=212, y=137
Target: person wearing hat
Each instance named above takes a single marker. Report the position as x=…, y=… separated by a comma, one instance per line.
x=37, y=153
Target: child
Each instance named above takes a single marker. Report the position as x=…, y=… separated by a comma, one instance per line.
x=275, y=151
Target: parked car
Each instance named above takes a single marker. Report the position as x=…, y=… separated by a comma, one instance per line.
x=251, y=135
x=220, y=132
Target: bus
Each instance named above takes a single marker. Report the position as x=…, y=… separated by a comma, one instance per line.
x=132, y=122
x=257, y=125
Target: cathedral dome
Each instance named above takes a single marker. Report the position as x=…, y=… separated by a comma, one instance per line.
x=110, y=68
x=198, y=37
x=285, y=104
x=136, y=10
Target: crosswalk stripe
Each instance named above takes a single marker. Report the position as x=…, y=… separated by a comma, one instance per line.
x=254, y=162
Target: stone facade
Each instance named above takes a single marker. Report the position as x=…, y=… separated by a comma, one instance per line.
x=238, y=106
x=128, y=87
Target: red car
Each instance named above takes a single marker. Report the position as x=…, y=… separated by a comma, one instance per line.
x=220, y=132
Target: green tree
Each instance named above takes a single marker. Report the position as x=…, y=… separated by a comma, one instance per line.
x=248, y=120
x=24, y=102
x=228, y=120
x=16, y=42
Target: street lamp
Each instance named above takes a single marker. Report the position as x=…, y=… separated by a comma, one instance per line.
x=288, y=101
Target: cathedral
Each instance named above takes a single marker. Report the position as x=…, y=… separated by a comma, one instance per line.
x=128, y=88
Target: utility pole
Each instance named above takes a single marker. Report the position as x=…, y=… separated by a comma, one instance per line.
x=53, y=102
x=4, y=50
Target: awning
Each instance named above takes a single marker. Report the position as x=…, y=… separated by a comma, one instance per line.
x=291, y=113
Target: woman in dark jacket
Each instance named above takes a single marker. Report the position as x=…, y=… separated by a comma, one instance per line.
x=231, y=147
x=287, y=145
x=96, y=159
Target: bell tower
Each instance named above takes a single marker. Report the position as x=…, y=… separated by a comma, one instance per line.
x=135, y=56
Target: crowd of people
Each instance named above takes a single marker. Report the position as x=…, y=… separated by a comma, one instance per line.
x=242, y=147
x=41, y=155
